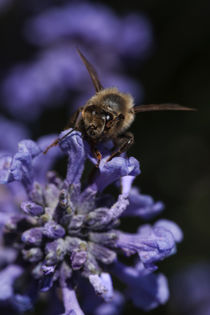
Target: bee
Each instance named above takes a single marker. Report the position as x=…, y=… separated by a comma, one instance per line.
x=107, y=115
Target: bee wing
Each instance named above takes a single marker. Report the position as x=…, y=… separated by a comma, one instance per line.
x=159, y=107
x=92, y=72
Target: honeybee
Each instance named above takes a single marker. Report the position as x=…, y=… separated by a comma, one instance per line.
x=107, y=115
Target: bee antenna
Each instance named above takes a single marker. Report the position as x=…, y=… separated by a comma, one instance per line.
x=161, y=107
x=92, y=72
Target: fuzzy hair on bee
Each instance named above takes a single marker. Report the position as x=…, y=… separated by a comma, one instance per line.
x=107, y=115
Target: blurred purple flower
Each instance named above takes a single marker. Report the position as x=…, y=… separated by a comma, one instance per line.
x=5, y=4
x=30, y=87
x=10, y=134
x=191, y=290
x=57, y=70
x=95, y=24
x=66, y=233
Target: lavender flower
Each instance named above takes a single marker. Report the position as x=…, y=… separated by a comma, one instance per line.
x=67, y=232
x=57, y=72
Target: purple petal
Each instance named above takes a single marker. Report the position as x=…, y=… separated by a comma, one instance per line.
x=53, y=230
x=142, y=206
x=70, y=300
x=113, y=307
x=126, y=183
x=73, y=145
x=151, y=243
x=33, y=236
x=32, y=208
x=63, y=207
x=172, y=227
x=119, y=207
x=94, y=304
x=74, y=243
x=36, y=193
x=147, y=291
x=76, y=223
x=29, y=147
x=55, y=251
x=65, y=273
x=98, y=219
x=106, y=238
x=47, y=277
x=32, y=254
x=48, y=160
x=157, y=242
x=101, y=217
x=84, y=200
x=51, y=196
x=91, y=267
x=5, y=165
x=22, y=163
x=101, y=253
x=113, y=170
x=7, y=279
x=48, y=270
x=78, y=258
x=102, y=285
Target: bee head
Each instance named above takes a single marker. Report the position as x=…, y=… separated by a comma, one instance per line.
x=95, y=120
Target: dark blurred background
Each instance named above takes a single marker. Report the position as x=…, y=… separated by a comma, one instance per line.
x=173, y=147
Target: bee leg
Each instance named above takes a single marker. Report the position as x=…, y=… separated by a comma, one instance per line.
x=123, y=143
x=72, y=124
x=97, y=154
x=53, y=144
x=98, y=157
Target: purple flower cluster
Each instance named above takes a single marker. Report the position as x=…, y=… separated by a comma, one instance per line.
x=56, y=73
x=65, y=237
